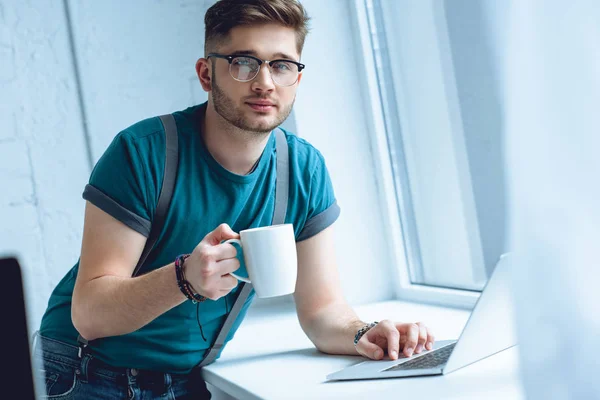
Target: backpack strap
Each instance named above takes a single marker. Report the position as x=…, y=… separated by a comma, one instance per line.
x=164, y=199
x=281, y=200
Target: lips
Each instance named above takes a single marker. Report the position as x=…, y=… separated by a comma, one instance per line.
x=261, y=105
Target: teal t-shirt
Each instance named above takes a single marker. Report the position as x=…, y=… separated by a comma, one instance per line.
x=126, y=183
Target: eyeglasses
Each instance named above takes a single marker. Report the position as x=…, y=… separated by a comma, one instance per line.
x=244, y=68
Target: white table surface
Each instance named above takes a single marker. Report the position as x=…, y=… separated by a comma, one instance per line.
x=271, y=358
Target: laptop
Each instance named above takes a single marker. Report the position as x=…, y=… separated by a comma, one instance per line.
x=17, y=368
x=489, y=330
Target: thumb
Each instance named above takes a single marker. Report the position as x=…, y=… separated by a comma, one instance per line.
x=368, y=349
x=221, y=233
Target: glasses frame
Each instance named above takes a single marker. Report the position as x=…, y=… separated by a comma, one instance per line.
x=230, y=58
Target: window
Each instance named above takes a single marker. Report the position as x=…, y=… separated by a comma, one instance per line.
x=437, y=128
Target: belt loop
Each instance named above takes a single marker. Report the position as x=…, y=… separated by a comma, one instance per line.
x=82, y=343
x=168, y=382
x=34, y=340
x=83, y=371
x=132, y=375
x=132, y=383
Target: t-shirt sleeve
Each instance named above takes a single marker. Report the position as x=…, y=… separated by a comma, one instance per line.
x=118, y=185
x=323, y=209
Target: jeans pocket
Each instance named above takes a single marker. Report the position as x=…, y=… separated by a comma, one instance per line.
x=50, y=379
x=61, y=379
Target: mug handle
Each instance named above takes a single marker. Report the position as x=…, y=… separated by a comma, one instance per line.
x=239, y=278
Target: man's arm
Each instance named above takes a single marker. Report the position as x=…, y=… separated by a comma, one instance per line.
x=330, y=322
x=107, y=301
x=325, y=316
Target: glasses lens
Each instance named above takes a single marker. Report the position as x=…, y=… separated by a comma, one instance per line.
x=244, y=68
x=284, y=73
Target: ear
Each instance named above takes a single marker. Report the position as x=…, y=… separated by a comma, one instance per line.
x=204, y=74
x=299, y=78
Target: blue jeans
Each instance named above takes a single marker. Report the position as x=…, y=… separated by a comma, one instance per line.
x=67, y=376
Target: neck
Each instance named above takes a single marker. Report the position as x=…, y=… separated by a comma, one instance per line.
x=235, y=149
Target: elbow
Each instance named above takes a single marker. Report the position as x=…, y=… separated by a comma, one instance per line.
x=83, y=325
x=309, y=326
x=320, y=345
x=82, y=320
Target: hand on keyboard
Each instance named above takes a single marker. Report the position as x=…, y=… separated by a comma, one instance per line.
x=393, y=337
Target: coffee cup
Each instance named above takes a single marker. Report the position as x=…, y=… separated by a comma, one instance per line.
x=269, y=258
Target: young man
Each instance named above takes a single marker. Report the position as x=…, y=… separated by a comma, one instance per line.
x=146, y=338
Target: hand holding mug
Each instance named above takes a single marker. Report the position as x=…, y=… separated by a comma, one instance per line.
x=208, y=269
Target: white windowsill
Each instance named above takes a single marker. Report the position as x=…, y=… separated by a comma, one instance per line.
x=271, y=358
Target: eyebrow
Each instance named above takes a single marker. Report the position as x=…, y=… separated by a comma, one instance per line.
x=276, y=56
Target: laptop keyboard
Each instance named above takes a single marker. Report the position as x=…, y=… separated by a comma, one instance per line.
x=434, y=359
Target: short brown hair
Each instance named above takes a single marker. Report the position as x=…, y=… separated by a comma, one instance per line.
x=225, y=15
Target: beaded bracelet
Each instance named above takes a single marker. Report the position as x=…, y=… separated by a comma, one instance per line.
x=362, y=331
x=183, y=284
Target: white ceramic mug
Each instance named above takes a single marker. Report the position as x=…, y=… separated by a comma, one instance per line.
x=269, y=254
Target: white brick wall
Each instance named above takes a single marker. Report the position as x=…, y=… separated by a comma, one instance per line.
x=42, y=155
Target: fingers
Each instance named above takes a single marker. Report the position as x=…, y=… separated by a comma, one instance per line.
x=228, y=266
x=369, y=349
x=220, y=287
x=221, y=233
x=415, y=338
x=412, y=338
x=422, y=337
x=377, y=340
x=213, y=254
x=228, y=283
x=220, y=252
x=412, y=332
x=208, y=267
x=392, y=336
x=224, y=251
x=430, y=339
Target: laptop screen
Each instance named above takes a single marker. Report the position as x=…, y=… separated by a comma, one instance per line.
x=16, y=358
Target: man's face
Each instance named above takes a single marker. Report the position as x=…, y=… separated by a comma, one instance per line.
x=259, y=105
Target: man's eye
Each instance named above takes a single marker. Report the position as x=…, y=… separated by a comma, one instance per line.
x=282, y=66
x=242, y=62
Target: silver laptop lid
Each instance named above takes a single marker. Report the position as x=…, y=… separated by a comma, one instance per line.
x=490, y=327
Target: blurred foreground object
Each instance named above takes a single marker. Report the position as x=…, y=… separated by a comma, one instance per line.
x=552, y=95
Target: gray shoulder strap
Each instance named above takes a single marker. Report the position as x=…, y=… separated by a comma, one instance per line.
x=166, y=192
x=164, y=199
x=282, y=184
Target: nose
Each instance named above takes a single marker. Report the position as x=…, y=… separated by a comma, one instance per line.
x=263, y=81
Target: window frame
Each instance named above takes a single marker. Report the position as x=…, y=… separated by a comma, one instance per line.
x=397, y=243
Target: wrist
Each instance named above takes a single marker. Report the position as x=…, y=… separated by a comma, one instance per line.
x=184, y=286
x=363, y=330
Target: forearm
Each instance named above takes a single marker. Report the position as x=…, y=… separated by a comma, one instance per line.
x=113, y=305
x=332, y=329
